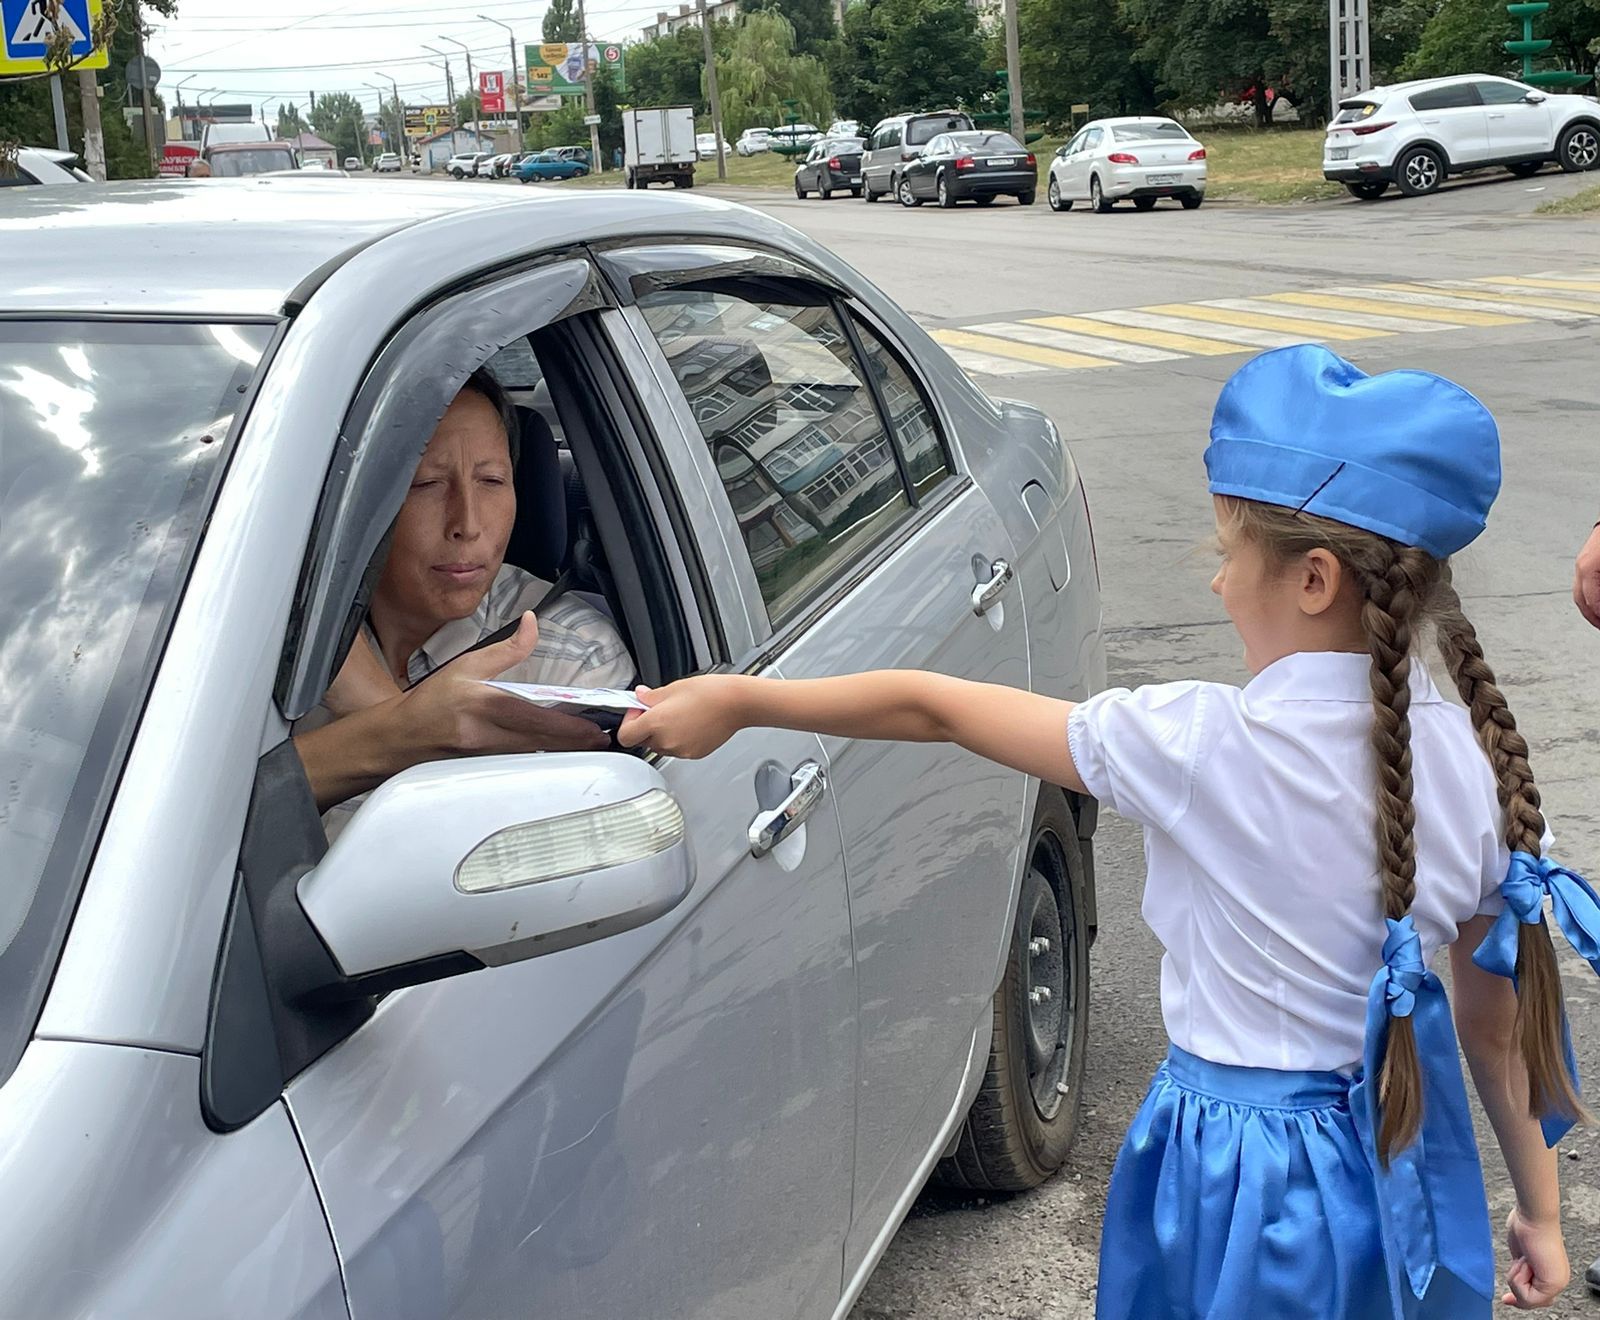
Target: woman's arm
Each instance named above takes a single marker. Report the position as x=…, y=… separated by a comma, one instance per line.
x=1014, y=728
x=1486, y=1020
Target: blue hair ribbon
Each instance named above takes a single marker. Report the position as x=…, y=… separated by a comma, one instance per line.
x=1576, y=908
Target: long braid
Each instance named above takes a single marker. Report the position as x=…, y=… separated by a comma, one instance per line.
x=1539, y=998
x=1397, y=592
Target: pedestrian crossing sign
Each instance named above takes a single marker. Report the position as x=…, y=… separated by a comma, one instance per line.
x=28, y=27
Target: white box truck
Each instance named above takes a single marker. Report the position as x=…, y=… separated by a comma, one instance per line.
x=658, y=146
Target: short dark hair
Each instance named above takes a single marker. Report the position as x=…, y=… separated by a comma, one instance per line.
x=483, y=382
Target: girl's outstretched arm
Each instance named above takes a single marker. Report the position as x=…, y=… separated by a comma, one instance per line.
x=1015, y=728
x=1486, y=1018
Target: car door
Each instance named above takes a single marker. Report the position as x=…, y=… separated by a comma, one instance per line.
x=923, y=172
x=867, y=547
x=1084, y=161
x=884, y=157
x=647, y=1124
x=1065, y=166
x=1453, y=116
x=1517, y=127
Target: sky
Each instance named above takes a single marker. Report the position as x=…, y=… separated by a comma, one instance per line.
x=248, y=50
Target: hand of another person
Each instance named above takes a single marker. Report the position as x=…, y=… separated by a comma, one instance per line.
x=1539, y=1268
x=690, y=718
x=1586, y=579
x=363, y=680
x=455, y=714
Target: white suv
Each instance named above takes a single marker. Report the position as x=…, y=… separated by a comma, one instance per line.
x=1414, y=134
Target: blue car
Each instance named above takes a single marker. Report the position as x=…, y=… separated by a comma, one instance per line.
x=551, y=165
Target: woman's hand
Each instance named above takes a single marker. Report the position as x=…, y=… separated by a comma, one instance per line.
x=1539, y=1268
x=690, y=718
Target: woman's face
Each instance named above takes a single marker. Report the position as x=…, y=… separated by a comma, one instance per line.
x=450, y=537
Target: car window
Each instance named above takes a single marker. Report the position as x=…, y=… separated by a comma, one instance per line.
x=939, y=146
x=1150, y=130
x=916, y=433
x=1452, y=97
x=793, y=428
x=1353, y=112
x=1077, y=143
x=1091, y=138
x=891, y=136
x=985, y=141
x=1500, y=93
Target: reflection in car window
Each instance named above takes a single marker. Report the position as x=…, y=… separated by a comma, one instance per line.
x=793, y=429
x=915, y=431
x=1452, y=97
x=1149, y=130
x=237, y=164
x=110, y=438
x=920, y=131
x=1500, y=93
x=987, y=141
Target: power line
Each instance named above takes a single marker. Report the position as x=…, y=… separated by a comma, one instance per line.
x=483, y=52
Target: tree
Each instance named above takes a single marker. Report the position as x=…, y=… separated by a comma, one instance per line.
x=339, y=119
x=469, y=108
x=1080, y=52
x=561, y=21
x=290, y=123
x=815, y=28
x=760, y=71
x=667, y=70
x=1470, y=35
x=911, y=55
x=1201, y=51
x=606, y=103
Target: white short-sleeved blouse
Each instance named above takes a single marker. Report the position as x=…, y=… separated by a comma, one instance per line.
x=1259, y=814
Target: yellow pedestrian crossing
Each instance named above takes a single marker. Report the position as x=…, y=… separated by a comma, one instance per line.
x=1161, y=333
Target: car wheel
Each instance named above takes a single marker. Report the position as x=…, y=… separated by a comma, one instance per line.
x=855, y=192
x=1025, y=1115
x=1419, y=172
x=1057, y=201
x=1144, y=203
x=1027, y=198
x=457, y=174
x=1524, y=169
x=1191, y=201
x=1579, y=148
x=947, y=199
x=1097, y=197
x=904, y=194
x=825, y=192
x=984, y=201
x=798, y=190
x=1368, y=190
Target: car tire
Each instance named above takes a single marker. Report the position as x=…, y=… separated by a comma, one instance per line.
x=1024, y=1118
x=1419, y=171
x=903, y=193
x=1526, y=169
x=1053, y=195
x=1028, y=198
x=947, y=199
x=1368, y=190
x=1578, y=149
x=825, y=192
x=855, y=192
x=1098, y=201
x=1192, y=201
x=868, y=192
x=799, y=191
x=984, y=201
x=1144, y=203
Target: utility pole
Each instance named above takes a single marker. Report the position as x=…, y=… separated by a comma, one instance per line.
x=711, y=90
x=472, y=81
x=145, y=113
x=516, y=102
x=1013, y=70
x=58, y=104
x=588, y=91
x=94, y=138
x=449, y=79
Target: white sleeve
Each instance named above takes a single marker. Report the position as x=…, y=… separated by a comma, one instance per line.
x=1497, y=862
x=1138, y=750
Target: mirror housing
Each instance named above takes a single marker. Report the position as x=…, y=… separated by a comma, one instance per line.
x=458, y=865
x=1534, y=98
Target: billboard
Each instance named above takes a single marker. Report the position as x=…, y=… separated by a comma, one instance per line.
x=492, y=93
x=557, y=68
x=426, y=120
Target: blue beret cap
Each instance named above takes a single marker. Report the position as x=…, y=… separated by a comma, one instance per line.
x=1407, y=454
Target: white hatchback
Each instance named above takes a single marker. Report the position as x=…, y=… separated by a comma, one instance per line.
x=1413, y=135
x=1143, y=158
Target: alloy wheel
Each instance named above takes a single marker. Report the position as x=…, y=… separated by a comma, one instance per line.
x=1583, y=148
x=1422, y=172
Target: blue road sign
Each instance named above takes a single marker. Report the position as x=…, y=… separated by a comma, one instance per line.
x=27, y=27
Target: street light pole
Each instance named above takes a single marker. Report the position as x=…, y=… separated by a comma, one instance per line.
x=711, y=92
x=516, y=101
x=595, y=162
x=472, y=81
x=449, y=79
x=183, y=124
x=1014, y=71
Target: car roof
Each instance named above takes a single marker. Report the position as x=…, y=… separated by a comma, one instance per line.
x=238, y=248
x=1417, y=84
x=50, y=154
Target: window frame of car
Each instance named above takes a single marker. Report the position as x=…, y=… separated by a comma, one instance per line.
x=1514, y=92
x=638, y=267
x=1093, y=136
x=1074, y=145
x=1464, y=94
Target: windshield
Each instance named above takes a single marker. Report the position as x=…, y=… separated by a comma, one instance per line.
x=920, y=132
x=111, y=437
x=1150, y=130
x=256, y=160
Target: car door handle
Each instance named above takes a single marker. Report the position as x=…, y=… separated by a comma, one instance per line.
x=986, y=595
x=770, y=828
x=1497, y=114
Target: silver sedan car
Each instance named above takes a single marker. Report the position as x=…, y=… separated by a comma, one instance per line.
x=576, y=1034
x=1141, y=158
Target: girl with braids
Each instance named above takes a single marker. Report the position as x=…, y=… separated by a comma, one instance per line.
x=1312, y=840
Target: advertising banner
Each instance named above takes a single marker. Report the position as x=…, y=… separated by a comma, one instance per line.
x=426, y=120
x=492, y=92
x=557, y=68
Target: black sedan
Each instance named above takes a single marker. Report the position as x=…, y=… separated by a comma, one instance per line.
x=978, y=165
x=831, y=163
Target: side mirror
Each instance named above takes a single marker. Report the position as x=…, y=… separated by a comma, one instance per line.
x=460, y=865
x=1534, y=98
x=1061, y=153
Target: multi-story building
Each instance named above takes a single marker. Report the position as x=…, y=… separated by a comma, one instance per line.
x=689, y=16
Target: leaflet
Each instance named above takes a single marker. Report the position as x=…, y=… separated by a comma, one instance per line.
x=549, y=694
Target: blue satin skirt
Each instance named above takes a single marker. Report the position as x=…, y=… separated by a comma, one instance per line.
x=1248, y=1194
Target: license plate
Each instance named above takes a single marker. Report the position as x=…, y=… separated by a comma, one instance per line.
x=855, y=178
x=1001, y=163
x=1161, y=180
x=1339, y=153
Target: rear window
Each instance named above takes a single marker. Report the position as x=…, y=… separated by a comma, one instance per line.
x=1353, y=112
x=1150, y=130
x=252, y=160
x=920, y=132
x=987, y=141
x=1446, y=98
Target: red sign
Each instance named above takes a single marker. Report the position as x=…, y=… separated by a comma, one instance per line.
x=492, y=93
x=175, y=159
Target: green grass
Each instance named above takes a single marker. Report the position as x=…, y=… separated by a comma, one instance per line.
x=1580, y=203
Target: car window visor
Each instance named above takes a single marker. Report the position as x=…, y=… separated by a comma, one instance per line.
x=643, y=270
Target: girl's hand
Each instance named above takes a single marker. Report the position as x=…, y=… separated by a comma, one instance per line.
x=690, y=718
x=1539, y=1268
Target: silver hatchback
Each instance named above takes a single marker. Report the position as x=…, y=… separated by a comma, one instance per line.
x=581, y=1034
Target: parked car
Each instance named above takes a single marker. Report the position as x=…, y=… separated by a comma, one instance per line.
x=42, y=165
x=753, y=141
x=1414, y=135
x=352, y=164
x=792, y=136
x=388, y=162
x=831, y=163
x=541, y=1034
x=844, y=128
x=578, y=154
x=705, y=146
x=486, y=167
x=898, y=140
x=464, y=164
x=1143, y=158
x=978, y=166
x=237, y=160
x=550, y=165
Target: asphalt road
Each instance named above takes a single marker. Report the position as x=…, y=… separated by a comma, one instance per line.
x=1138, y=430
